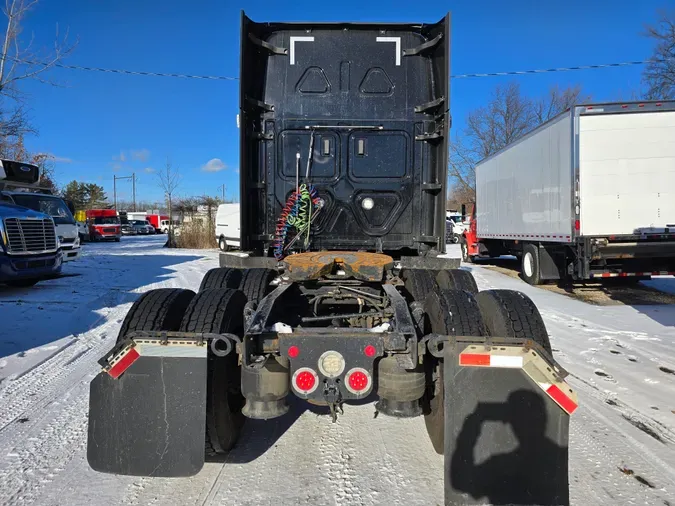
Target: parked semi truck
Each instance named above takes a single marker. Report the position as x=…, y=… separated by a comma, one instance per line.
x=343, y=294
x=29, y=245
x=589, y=194
x=25, y=191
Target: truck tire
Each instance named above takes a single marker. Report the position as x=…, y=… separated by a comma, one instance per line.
x=455, y=238
x=221, y=277
x=220, y=311
x=419, y=283
x=449, y=312
x=529, y=265
x=457, y=279
x=255, y=283
x=160, y=309
x=508, y=313
x=222, y=244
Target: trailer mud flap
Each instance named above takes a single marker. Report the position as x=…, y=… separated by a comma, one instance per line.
x=506, y=426
x=147, y=412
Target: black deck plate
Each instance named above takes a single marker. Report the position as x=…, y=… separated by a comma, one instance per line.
x=506, y=441
x=150, y=421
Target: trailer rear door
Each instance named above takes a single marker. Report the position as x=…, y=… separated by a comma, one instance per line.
x=626, y=172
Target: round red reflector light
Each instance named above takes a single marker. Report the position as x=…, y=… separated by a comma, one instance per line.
x=358, y=381
x=305, y=381
x=293, y=351
x=369, y=350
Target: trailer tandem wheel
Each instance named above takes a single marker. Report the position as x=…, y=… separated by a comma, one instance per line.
x=160, y=309
x=221, y=277
x=449, y=312
x=220, y=311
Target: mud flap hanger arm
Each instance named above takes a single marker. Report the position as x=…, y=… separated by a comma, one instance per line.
x=220, y=344
x=503, y=353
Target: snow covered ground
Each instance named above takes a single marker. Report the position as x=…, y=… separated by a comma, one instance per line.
x=621, y=360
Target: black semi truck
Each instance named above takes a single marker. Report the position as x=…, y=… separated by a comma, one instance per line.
x=345, y=293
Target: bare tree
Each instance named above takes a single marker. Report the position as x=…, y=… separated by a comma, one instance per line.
x=508, y=116
x=557, y=101
x=20, y=62
x=659, y=74
x=169, y=181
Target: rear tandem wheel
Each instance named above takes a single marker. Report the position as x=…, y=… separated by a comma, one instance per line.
x=451, y=313
x=220, y=311
x=160, y=309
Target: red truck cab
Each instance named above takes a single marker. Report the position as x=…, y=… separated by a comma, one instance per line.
x=160, y=222
x=104, y=224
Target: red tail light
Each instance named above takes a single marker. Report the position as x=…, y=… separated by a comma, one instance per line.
x=369, y=351
x=358, y=381
x=293, y=351
x=305, y=380
x=577, y=225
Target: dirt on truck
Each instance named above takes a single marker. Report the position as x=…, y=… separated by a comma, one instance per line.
x=343, y=294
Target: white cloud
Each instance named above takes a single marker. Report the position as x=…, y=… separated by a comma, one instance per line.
x=54, y=158
x=122, y=157
x=141, y=155
x=214, y=165
x=149, y=170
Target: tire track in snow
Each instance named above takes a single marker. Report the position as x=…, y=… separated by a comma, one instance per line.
x=47, y=451
x=40, y=385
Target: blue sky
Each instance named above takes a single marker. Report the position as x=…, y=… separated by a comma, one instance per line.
x=101, y=124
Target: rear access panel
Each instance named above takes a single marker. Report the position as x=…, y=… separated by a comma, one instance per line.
x=505, y=437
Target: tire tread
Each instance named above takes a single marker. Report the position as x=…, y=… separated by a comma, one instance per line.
x=221, y=277
x=160, y=309
x=519, y=316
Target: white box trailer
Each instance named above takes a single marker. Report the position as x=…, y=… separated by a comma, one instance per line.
x=590, y=193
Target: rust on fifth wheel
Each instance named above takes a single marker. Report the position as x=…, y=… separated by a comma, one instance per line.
x=360, y=265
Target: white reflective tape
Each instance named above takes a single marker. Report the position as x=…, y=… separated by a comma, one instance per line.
x=506, y=361
x=172, y=350
x=397, y=41
x=298, y=39
x=544, y=386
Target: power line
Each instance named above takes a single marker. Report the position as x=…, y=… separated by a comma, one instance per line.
x=122, y=71
x=556, y=69
x=230, y=78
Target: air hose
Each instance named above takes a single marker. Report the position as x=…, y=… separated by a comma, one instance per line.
x=296, y=214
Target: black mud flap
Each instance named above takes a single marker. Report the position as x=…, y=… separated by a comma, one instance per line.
x=150, y=421
x=506, y=427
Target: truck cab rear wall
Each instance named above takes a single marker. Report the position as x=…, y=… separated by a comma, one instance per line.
x=370, y=99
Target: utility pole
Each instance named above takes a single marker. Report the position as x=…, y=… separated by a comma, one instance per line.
x=223, y=188
x=133, y=186
x=115, y=178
